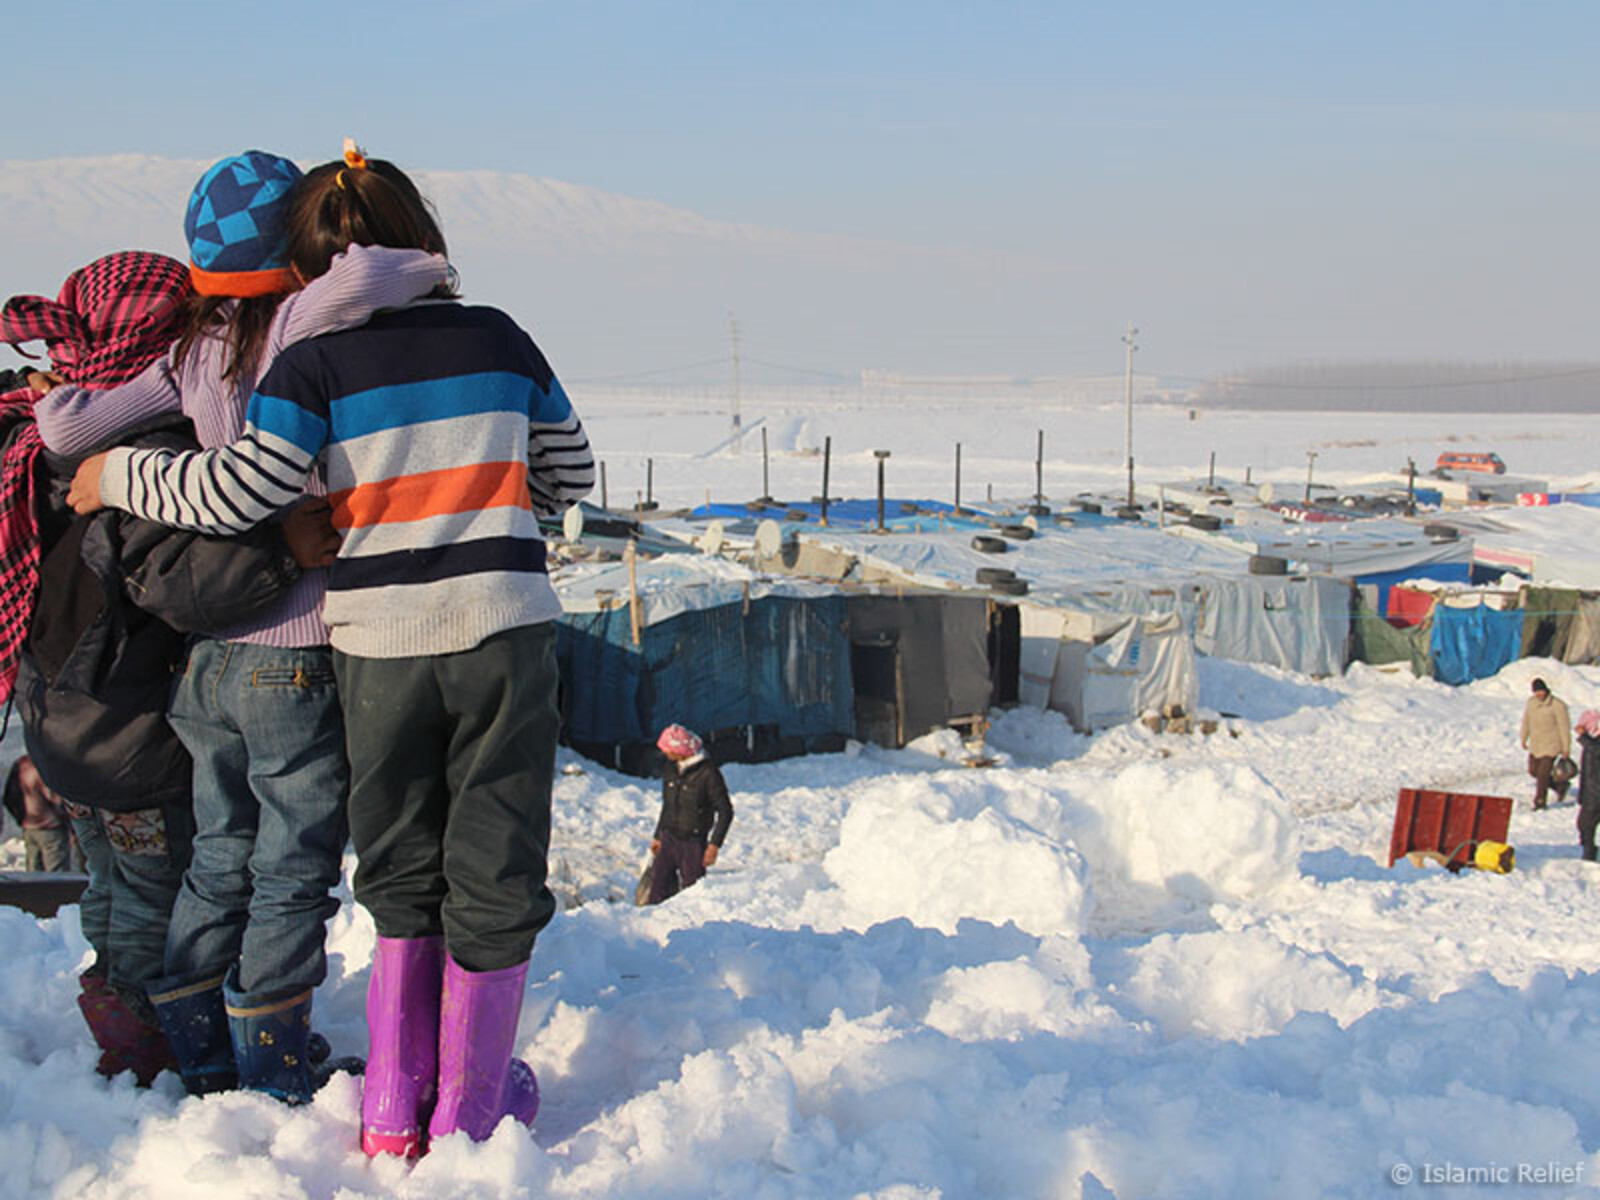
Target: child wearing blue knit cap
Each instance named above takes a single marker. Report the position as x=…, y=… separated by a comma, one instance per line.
x=256, y=706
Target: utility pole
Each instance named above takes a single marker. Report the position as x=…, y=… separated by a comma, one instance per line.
x=733, y=334
x=1311, y=458
x=1128, y=341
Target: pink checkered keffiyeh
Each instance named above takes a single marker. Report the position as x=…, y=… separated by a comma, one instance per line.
x=111, y=319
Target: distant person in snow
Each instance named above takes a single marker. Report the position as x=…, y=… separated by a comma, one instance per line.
x=695, y=814
x=46, y=833
x=443, y=434
x=256, y=705
x=1589, y=782
x=1546, y=736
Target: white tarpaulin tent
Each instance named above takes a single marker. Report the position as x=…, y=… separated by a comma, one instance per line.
x=1101, y=669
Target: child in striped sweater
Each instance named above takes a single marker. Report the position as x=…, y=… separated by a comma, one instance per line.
x=443, y=433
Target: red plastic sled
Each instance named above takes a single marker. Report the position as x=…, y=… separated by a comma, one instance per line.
x=1449, y=824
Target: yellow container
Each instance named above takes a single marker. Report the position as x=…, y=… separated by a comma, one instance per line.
x=1494, y=856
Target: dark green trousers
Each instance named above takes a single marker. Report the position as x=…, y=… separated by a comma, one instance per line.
x=451, y=763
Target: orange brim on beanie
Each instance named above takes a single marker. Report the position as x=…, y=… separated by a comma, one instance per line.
x=242, y=283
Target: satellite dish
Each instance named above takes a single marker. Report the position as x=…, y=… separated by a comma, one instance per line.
x=572, y=523
x=1032, y=522
x=1265, y=493
x=769, y=538
x=711, y=540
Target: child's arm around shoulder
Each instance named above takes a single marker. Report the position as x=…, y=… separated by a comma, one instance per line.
x=226, y=489
x=75, y=420
x=361, y=281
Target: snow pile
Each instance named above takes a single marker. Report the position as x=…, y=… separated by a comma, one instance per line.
x=1189, y=836
x=1239, y=985
x=935, y=851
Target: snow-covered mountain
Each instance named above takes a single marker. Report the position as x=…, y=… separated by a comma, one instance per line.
x=609, y=283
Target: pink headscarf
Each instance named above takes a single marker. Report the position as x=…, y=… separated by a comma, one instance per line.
x=1589, y=722
x=677, y=742
x=110, y=320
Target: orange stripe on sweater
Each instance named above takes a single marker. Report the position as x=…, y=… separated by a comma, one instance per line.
x=432, y=494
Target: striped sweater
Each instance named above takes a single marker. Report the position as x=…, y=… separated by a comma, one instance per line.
x=442, y=432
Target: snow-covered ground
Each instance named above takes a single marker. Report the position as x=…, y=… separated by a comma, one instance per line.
x=1130, y=965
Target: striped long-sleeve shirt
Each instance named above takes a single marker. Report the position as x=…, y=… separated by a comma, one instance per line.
x=442, y=432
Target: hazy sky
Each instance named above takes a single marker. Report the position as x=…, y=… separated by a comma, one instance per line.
x=1249, y=182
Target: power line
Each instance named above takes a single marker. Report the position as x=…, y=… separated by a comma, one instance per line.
x=1227, y=382
x=694, y=366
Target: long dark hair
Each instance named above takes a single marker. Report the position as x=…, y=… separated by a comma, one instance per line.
x=245, y=329
x=337, y=205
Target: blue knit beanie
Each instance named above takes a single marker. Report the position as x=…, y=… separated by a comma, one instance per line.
x=237, y=226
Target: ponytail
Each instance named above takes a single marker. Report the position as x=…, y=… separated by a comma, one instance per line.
x=358, y=201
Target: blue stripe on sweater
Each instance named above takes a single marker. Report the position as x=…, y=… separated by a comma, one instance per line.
x=433, y=563
x=395, y=406
x=292, y=422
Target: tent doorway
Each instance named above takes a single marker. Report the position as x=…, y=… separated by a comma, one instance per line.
x=879, y=690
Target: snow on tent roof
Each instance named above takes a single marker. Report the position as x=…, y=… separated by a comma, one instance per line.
x=1556, y=543
x=1059, y=558
x=1353, y=549
x=672, y=584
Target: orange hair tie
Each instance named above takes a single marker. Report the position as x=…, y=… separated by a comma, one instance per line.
x=354, y=160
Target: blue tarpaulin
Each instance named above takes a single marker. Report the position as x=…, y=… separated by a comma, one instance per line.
x=1473, y=643
x=784, y=662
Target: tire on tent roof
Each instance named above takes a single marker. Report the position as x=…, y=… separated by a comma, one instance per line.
x=1448, y=532
x=1017, y=533
x=1268, y=564
x=1205, y=521
x=1127, y=512
x=796, y=514
x=1088, y=506
x=994, y=574
x=1011, y=587
x=989, y=545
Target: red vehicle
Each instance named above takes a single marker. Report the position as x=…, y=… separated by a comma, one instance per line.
x=1453, y=460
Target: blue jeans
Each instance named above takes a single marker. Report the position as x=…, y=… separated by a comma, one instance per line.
x=270, y=784
x=135, y=863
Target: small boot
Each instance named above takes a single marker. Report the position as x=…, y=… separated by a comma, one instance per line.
x=479, y=1081
x=127, y=1041
x=402, y=1076
x=192, y=1015
x=269, y=1035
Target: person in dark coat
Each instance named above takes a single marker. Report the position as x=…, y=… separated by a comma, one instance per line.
x=1589, y=782
x=695, y=814
x=94, y=617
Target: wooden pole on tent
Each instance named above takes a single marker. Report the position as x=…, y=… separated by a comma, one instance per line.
x=630, y=555
x=827, y=461
x=958, y=483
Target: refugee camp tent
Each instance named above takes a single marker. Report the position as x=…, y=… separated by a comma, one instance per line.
x=762, y=667
x=1560, y=623
x=1100, y=668
x=1375, y=639
x=759, y=667
x=1472, y=639
x=918, y=662
x=1454, y=635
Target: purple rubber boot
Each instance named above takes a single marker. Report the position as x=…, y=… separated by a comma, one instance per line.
x=403, y=1062
x=479, y=1080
